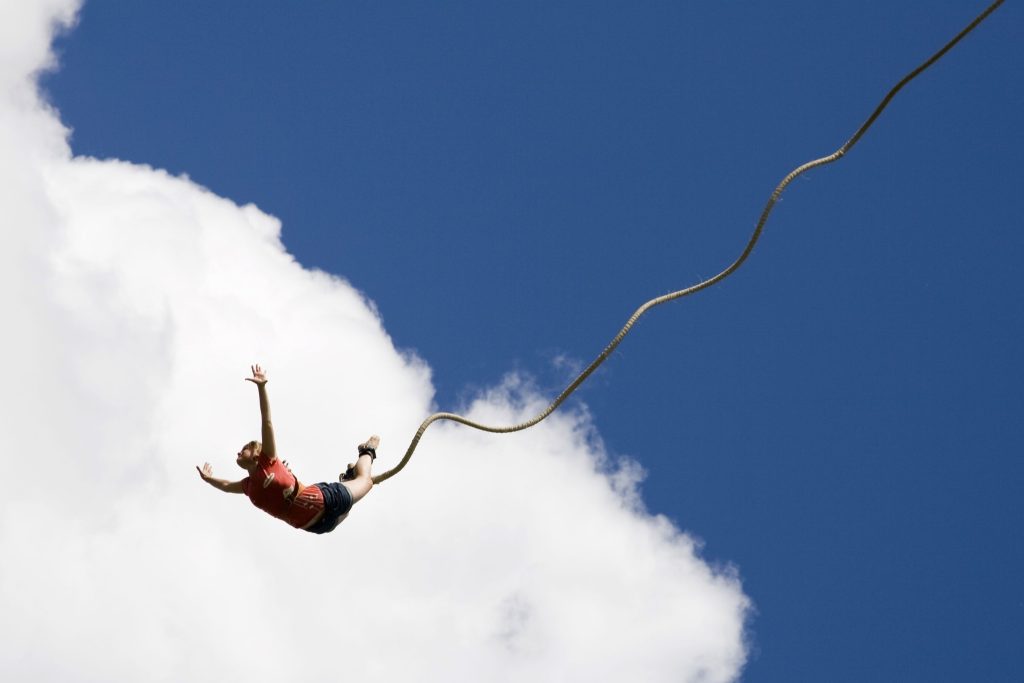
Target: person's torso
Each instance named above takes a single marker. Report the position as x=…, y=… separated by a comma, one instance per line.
x=273, y=488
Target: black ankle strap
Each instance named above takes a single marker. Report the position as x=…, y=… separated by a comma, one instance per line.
x=366, y=450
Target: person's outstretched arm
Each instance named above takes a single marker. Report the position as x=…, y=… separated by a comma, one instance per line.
x=259, y=378
x=221, y=484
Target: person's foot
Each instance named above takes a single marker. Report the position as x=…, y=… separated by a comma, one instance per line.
x=369, y=447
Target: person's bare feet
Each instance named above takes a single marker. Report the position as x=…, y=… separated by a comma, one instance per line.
x=350, y=472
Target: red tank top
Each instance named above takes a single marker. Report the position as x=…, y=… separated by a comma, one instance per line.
x=271, y=488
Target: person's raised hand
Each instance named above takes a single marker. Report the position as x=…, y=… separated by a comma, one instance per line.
x=206, y=472
x=259, y=377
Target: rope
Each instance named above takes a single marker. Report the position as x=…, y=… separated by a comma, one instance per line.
x=700, y=285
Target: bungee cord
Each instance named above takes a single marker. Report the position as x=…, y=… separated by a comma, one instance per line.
x=704, y=284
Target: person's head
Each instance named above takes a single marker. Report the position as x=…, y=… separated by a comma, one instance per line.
x=249, y=454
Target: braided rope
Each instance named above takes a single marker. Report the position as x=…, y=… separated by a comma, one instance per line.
x=700, y=285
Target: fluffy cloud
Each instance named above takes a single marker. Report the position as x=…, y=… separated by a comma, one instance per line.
x=132, y=303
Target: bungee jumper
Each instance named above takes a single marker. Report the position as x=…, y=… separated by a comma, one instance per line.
x=273, y=488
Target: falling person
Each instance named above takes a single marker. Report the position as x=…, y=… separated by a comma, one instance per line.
x=273, y=488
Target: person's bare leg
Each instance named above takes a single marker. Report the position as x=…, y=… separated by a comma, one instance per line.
x=361, y=484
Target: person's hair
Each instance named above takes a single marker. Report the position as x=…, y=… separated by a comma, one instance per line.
x=255, y=446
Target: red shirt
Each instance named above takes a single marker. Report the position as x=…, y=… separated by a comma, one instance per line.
x=271, y=488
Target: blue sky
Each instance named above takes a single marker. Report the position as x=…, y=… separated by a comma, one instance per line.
x=507, y=182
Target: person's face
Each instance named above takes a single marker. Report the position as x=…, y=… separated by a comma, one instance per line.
x=246, y=458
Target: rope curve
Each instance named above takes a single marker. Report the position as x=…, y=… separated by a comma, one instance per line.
x=835, y=156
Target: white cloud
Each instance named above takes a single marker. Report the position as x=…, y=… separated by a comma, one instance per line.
x=133, y=302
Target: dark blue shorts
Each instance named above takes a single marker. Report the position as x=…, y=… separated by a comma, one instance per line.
x=337, y=502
